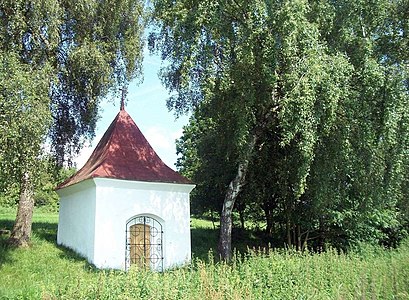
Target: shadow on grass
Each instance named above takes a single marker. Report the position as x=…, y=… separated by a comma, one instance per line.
x=48, y=232
x=45, y=231
x=41, y=231
x=205, y=240
x=71, y=255
x=5, y=225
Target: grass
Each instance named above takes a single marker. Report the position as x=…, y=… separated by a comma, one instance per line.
x=46, y=271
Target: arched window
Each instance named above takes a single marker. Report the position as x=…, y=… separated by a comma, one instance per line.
x=144, y=243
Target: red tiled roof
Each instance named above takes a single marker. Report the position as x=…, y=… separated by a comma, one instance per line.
x=124, y=153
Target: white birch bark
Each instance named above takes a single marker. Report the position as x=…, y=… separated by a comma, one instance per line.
x=234, y=189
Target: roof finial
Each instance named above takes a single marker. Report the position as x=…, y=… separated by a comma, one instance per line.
x=124, y=93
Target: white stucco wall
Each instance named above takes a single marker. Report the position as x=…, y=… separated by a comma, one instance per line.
x=76, y=225
x=120, y=200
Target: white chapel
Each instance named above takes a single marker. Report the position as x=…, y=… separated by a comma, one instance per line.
x=126, y=207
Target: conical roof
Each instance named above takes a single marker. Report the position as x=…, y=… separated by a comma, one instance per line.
x=124, y=153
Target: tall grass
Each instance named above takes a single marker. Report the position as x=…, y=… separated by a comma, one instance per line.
x=46, y=271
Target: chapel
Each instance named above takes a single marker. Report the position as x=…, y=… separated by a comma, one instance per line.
x=125, y=206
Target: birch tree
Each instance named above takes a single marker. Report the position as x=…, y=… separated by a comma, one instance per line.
x=258, y=66
x=63, y=57
x=333, y=143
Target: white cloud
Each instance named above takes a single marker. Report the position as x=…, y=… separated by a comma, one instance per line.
x=159, y=138
x=140, y=93
x=162, y=141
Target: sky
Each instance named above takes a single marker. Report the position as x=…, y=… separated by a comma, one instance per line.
x=146, y=104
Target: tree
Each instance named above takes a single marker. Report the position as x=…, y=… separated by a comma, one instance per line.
x=358, y=175
x=66, y=56
x=247, y=59
x=202, y=154
x=24, y=119
x=316, y=86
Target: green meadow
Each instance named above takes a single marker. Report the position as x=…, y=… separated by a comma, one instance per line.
x=47, y=271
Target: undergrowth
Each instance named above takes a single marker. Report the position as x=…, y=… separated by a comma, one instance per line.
x=46, y=271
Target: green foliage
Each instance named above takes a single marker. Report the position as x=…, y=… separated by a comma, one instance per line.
x=52, y=175
x=323, y=85
x=57, y=60
x=88, y=47
x=357, y=177
x=99, y=49
x=24, y=118
x=54, y=272
x=9, y=195
x=48, y=177
x=203, y=152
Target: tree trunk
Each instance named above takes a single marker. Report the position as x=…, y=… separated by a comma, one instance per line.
x=20, y=236
x=304, y=246
x=269, y=221
x=212, y=216
x=288, y=230
x=299, y=246
x=240, y=208
x=268, y=207
x=233, y=191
